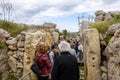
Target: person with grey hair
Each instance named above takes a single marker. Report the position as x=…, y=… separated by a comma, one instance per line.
x=65, y=66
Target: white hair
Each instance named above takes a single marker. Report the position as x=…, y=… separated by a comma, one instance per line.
x=64, y=46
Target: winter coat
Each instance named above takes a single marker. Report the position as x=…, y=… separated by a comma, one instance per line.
x=44, y=64
x=65, y=67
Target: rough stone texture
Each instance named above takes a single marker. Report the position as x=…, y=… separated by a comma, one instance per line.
x=4, y=33
x=4, y=68
x=112, y=52
x=55, y=36
x=111, y=30
x=104, y=76
x=31, y=40
x=12, y=41
x=12, y=47
x=48, y=39
x=103, y=68
x=91, y=54
x=20, y=44
x=102, y=16
x=15, y=54
x=99, y=18
x=107, y=16
x=12, y=63
x=99, y=12
x=113, y=13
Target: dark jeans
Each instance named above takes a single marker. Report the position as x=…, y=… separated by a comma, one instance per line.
x=43, y=78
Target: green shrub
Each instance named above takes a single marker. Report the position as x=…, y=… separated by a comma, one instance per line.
x=2, y=44
x=11, y=77
x=13, y=28
x=104, y=25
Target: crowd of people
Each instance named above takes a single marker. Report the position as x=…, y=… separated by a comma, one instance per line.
x=60, y=61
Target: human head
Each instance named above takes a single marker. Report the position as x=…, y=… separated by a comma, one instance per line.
x=54, y=46
x=42, y=47
x=64, y=46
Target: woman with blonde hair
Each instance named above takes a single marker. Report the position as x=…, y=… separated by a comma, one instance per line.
x=43, y=61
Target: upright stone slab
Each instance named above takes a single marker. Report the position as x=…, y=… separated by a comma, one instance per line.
x=31, y=40
x=91, y=54
x=55, y=36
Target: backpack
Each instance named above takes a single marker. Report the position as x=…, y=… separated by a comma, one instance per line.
x=35, y=68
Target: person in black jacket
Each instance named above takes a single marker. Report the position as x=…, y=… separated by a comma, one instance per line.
x=65, y=66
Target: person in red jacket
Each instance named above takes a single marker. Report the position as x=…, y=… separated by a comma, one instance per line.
x=43, y=61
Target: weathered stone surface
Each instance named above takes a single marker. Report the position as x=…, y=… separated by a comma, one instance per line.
x=13, y=41
x=104, y=76
x=113, y=13
x=111, y=30
x=103, y=68
x=91, y=54
x=48, y=40
x=55, y=36
x=99, y=12
x=3, y=66
x=3, y=56
x=10, y=53
x=21, y=49
x=103, y=43
x=20, y=65
x=5, y=75
x=12, y=63
x=31, y=40
x=12, y=47
x=112, y=52
x=4, y=33
x=107, y=16
x=20, y=54
x=99, y=18
x=23, y=33
x=20, y=44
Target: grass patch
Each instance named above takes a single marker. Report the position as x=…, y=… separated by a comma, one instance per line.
x=13, y=28
x=103, y=26
x=2, y=44
x=81, y=67
x=11, y=77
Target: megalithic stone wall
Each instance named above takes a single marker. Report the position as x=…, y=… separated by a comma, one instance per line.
x=112, y=52
x=91, y=54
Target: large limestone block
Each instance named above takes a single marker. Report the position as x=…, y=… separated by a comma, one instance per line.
x=111, y=30
x=99, y=12
x=99, y=18
x=12, y=41
x=107, y=16
x=31, y=40
x=49, y=39
x=112, y=52
x=91, y=54
x=55, y=36
x=4, y=33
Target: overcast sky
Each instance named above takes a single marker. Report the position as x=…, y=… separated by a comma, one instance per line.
x=64, y=13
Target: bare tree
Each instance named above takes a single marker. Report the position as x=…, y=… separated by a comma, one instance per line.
x=6, y=10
